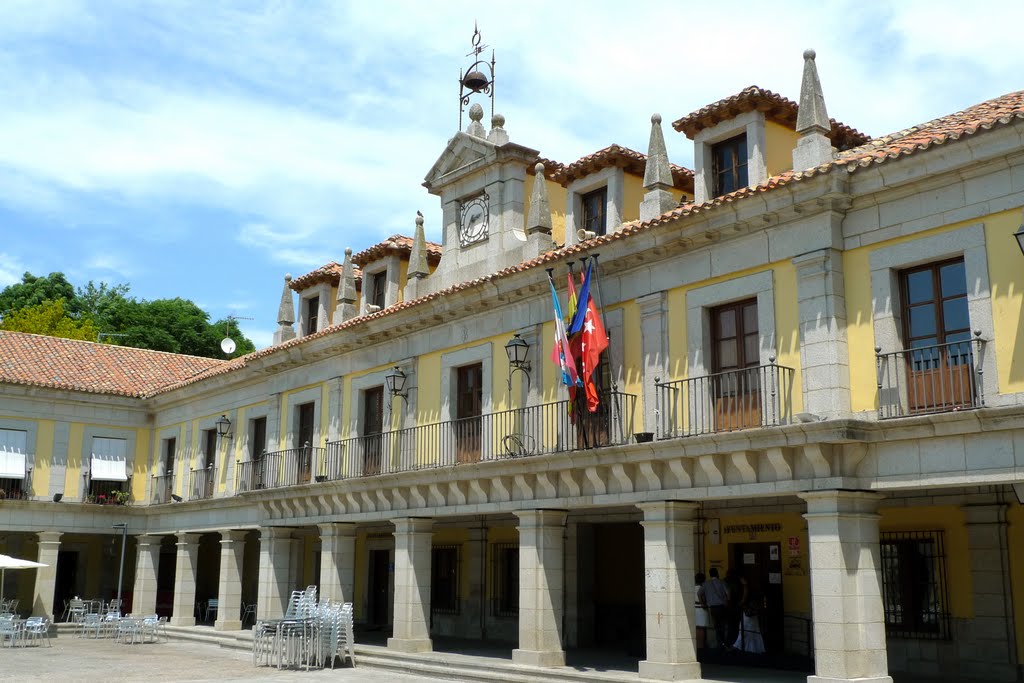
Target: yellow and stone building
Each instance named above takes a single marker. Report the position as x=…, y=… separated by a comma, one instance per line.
x=815, y=382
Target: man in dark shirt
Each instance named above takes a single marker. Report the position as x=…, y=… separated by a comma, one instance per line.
x=716, y=593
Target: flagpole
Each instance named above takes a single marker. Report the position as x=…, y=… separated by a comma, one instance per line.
x=600, y=305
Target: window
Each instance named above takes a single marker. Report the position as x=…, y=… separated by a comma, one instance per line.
x=13, y=466
x=735, y=357
x=304, y=438
x=209, y=448
x=469, y=401
x=312, y=314
x=108, y=468
x=504, y=588
x=937, y=336
x=373, y=426
x=378, y=288
x=729, y=165
x=444, y=579
x=595, y=206
x=258, y=440
x=170, y=447
x=914, y=585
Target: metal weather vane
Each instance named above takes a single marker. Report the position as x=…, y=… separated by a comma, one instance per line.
x=478, y=78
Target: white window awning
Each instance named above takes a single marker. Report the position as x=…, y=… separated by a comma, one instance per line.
x=12, y=465
x=109, y=460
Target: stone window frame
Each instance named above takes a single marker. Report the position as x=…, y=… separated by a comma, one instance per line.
x=389, y=265
x=700, y=302
x=295, y=399
x=358, y=400
x=753, y=124
x=451, y=361
x=250, y=418
x=614, y=179
x=323, y=291
x=31, y=428
x=887, y=262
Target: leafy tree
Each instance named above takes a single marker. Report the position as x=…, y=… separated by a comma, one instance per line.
x=96, y=301
x=32, y=291
x=49, y=318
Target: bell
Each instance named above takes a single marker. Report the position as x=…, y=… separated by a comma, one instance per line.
x=475, y=81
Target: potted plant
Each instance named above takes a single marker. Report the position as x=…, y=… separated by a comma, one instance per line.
x=120, y=497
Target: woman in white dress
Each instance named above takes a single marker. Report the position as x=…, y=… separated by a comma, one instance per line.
x=749, y=638
x=702, y=620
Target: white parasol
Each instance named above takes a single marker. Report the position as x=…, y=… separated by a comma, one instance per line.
x=8, y=562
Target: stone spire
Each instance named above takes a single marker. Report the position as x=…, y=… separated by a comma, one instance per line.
x=657, y=176
x=539, y=218
x=812, y=123
x=498, y=134
x=285, y=314
x=345, y=304
x=418, y=266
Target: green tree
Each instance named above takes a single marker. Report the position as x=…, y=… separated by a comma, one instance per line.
x=32, y=291
x=49, y=318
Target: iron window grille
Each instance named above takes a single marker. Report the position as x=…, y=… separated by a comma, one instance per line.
x=444, y=579
x=914, y=585
x=504, y=579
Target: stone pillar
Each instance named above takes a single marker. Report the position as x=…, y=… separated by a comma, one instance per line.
x=824, y=357
x=475, y=563
x=46, y=577
x=229, y=592
x=413, y=546
x=669, y=591
x=337, y=561
x=654, y=333
x=988, y=651
x=846, y=587
x=185, y=580
x=275, y=557
x=147, y=564
x=541, y=584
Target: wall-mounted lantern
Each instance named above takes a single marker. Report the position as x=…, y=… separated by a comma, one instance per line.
x=223, y=425
x=517, y=349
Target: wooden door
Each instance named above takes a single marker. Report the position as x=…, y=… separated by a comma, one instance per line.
x=469, y=403
x=373, y=426
x=258, y=448
x=760, y=565
x=304, y=455
x=735, y=384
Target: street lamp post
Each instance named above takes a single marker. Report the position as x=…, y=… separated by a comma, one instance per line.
x=123, y=526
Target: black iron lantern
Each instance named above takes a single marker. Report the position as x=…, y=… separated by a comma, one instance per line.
x=223, y=425
x=1020, y=237
x=395, y=381
x=517, y=349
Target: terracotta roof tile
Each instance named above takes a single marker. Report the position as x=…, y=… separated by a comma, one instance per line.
x=612, y=155
x=36, y=360
x=396, y=244
x=776, y=108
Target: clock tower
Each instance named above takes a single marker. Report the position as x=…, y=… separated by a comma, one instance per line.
x=481, y=179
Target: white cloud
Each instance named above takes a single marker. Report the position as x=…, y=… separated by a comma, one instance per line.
x=11, y=269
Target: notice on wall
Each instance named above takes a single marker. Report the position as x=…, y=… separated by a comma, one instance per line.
x=748, y=558
x=774, y=577
x=794, y=546
x=773, y=553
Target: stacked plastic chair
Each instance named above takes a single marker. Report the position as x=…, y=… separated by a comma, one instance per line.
x=310, y=634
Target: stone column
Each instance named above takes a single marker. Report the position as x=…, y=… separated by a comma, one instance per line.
x=475, y=564
x=669, y=591
x=988, y=651
x=46, y=577
x=413, y=545
x=275, y=557
x=229, y=592
x=147, y=564
x=846, y=587
x=185, y=580
x=337, y=561
x=541, y=584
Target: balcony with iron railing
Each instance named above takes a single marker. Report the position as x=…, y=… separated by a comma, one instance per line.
x=279, y=468
x=937, y=378
x=750, y=398
x=13, y=488
x=201, y=483
x=163, y=488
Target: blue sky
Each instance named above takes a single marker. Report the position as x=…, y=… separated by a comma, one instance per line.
x=204, y=149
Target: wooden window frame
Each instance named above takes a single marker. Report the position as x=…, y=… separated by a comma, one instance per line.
x=379, y=288
x=736, y=148
x=312, y=314
x=595, y=199
x=938, y=300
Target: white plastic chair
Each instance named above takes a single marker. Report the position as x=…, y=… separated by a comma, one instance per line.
x=91, y=623
x=129, y=630
x=37, y=628
x=9, y=630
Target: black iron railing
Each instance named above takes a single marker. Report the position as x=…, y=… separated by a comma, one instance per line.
x=200, y=483
x=279, y=468
x=163, y=487
x=16, y=489
x=930, y=379
x=759, y=396
x=519, y=432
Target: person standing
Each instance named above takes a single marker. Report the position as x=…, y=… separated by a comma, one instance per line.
x=716, y=594
x=701, y=610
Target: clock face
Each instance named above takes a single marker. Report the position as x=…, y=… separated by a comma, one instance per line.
x=473, y=226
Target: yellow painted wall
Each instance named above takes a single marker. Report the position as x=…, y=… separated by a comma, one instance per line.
x=73, y=473
x=632, y=194
x=140, y=467
x=632, y=372
x=796, y=586
x=779, y=142
x=43, y=459
x=951, y=520
x=1005, y=270
x=1015, y=516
